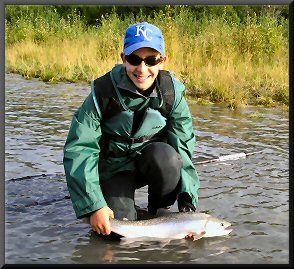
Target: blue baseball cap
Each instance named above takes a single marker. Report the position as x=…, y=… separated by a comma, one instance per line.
x=142, y=35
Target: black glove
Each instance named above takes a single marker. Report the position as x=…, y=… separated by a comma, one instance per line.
x=185, y=203
x=187, y=207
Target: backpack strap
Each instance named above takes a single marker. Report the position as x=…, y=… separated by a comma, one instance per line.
x=106, y=97
x=108, y=106
x=166, y=86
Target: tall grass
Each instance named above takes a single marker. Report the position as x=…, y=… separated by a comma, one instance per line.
x=219, y=60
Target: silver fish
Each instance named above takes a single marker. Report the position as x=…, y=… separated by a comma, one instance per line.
x=173, y=226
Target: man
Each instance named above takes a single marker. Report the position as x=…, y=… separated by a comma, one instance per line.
x=134, y=129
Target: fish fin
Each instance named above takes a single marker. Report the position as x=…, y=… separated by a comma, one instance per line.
x=164, y=243
x=134, y=240
x=195, y=236
x=198, y=236
x=127, y=241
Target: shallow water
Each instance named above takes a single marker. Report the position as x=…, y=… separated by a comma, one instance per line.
x=252, y=193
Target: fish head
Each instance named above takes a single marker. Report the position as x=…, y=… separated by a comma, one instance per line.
x=217, y=227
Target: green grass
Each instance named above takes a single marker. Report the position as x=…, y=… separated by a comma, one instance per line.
x=219, y=60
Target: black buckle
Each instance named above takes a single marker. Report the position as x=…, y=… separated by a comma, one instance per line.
x=139, y=139
x=133, y=140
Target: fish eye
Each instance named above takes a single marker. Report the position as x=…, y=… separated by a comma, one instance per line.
x=222, y=224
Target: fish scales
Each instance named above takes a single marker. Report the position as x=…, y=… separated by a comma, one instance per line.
x=174, y=225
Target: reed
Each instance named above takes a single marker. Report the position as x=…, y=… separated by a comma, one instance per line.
x=219, y=61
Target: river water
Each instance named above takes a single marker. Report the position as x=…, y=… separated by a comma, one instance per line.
x=252, y=193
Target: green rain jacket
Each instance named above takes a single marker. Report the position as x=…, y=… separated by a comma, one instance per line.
x=82, y=150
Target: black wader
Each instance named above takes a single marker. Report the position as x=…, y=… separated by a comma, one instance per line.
x=159, y=167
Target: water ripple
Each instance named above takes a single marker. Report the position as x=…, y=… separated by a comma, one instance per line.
x=252, y=193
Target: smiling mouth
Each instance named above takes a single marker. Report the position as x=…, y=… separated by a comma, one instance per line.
x=142, y=77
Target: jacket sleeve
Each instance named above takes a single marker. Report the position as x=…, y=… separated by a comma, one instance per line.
x=181, y=136
x=81, y=156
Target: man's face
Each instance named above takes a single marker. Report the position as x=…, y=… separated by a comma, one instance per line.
x=143, y=75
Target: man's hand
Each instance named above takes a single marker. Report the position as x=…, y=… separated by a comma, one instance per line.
x=99, y=220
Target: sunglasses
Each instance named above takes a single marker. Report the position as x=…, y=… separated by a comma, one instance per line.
x=134, y=59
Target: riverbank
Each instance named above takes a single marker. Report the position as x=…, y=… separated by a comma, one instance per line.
x=219, y=61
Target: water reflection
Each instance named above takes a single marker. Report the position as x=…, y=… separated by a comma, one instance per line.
x=98, y=250
x=252, y=193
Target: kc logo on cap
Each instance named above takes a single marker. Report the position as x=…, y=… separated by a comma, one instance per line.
x=143, y=35
x=140, y=30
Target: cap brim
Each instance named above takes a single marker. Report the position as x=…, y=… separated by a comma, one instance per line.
x=140, y=45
